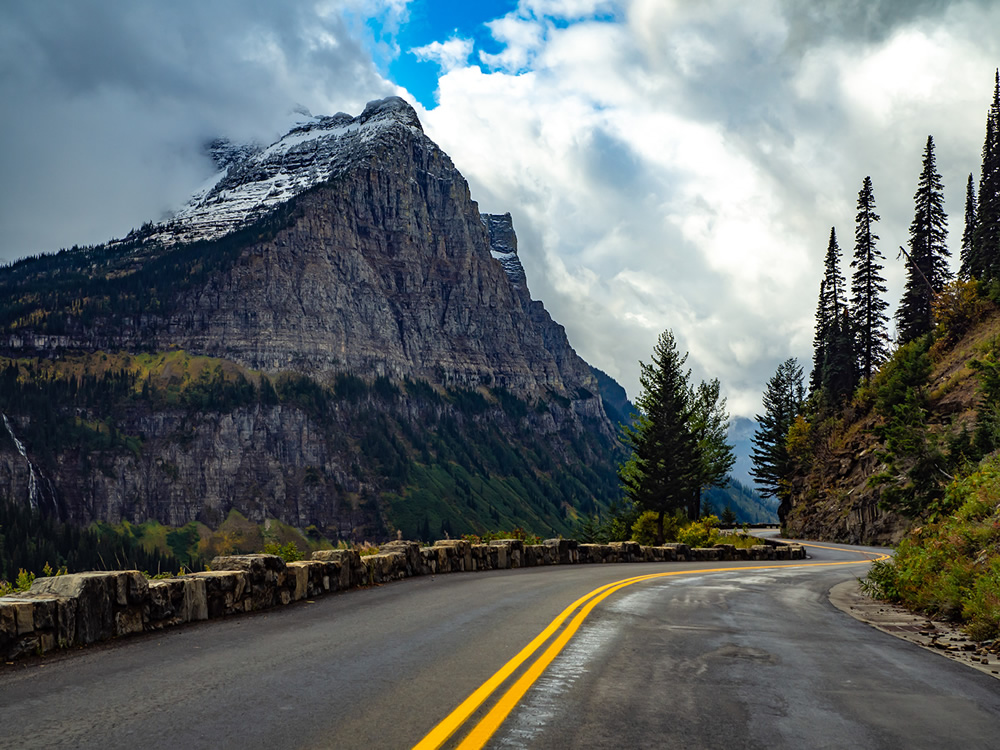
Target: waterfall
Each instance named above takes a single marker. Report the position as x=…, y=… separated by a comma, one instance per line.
x=32, y=475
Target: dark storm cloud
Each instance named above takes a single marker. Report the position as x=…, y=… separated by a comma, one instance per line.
x=855, y=21
x=106, y=105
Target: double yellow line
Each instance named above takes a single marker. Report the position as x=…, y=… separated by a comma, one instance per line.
x=480, y=734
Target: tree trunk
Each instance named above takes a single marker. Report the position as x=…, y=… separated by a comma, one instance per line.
x=694, y=505
x=659, y=528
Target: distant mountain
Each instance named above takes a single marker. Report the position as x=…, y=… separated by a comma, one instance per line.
x=744, y=501
x=329, y=334
x=616, y=404
x=741, y=431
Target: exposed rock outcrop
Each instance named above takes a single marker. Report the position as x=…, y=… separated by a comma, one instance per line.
x=839, y=494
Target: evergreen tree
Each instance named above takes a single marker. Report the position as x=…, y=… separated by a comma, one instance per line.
x=986, y=236
x=783, y=402
x=657, y=476
x=927, y=266
x=867, y=287
x=967, y=256
x=714, y=457
x=839, y=371
x=833, y=365
x=820, y=336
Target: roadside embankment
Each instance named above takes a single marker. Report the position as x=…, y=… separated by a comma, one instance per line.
x=939, y=636
x=82, y=608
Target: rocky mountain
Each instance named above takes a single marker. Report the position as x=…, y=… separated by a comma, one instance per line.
x=882, y=464
x=745, y=502
x=256, y=180
x=329, y=334
x=616, y=403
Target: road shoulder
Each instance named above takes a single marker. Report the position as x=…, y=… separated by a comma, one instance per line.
x=940, y=637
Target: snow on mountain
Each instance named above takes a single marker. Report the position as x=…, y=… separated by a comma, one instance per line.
x=225, y=153
x=252, y=180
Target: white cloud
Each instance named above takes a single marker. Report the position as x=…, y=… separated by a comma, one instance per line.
x=681, y=167
x=521, y=39
x=106, y=108
x=567, y=9
x=450, y=55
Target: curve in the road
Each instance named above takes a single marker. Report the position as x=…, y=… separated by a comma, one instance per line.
x=484, y=729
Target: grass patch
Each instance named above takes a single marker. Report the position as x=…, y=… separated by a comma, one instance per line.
x=950, y=567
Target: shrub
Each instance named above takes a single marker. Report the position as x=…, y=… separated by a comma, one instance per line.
x=701, y=533
x=22, y=583
x=800, y=441
x=491, y=536
x=288, y=552
x=951, y=567
x=644, y=528
x=881, y=581
x=956, y=309
x=981, y=607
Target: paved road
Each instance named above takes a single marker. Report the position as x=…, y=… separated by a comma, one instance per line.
x=750, y=658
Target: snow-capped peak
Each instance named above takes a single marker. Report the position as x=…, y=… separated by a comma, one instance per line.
x=254, y=180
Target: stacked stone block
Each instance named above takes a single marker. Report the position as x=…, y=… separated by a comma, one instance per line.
x=82, y=608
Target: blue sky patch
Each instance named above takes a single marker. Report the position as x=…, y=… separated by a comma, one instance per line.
x=438, y=21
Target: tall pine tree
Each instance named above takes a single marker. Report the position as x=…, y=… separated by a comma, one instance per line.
x=783, y=402
x=967, y=255
x=839, y=370
x=658, y=474
x=867, y=287
x=927, y=266
x=824, y=320
x=833, y=365
x=986, y=237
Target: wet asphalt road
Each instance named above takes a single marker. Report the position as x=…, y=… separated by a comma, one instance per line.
x=732, y=659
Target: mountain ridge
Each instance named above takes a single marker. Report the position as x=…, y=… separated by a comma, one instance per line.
x=256, y=180
x=415, y=243
x=375, y=268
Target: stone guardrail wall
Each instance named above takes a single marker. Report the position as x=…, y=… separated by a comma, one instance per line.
x=81, y=608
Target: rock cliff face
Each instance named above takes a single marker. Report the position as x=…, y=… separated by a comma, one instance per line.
x=834, y=501
x=375, y=263
x=388, y=273
x=503, y=247
x=384, y=267
x=864, y=457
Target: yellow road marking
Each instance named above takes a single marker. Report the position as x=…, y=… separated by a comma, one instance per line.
x=437, y=736
x=875, y=555
x=487, y=726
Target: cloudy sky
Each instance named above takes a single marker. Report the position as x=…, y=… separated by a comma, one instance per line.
x=668, y=164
